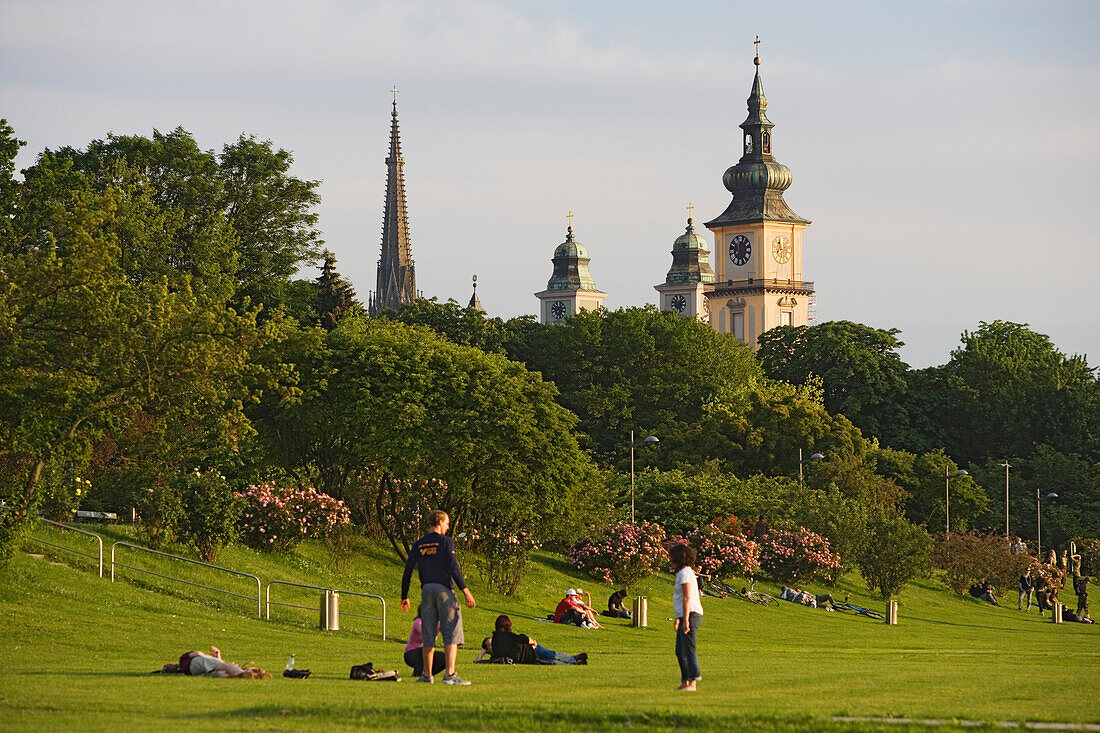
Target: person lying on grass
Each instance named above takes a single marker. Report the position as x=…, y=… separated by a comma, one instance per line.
x=198, y=664
x=522, y=649
x=797, y=595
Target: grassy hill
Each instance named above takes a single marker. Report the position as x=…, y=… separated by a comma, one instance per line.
x=80, y=649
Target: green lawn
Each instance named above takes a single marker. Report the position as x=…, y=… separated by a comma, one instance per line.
x=79, y=650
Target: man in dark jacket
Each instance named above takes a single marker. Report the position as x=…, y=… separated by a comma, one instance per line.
x=1027, y=586
x=434, y=557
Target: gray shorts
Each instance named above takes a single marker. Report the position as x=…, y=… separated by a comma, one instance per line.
x=204, y=665
x=439, y=608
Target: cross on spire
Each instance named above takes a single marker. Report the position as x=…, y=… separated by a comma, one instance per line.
x=394, y=91
x=757, y=44
x=689, y=208
x=569, y=216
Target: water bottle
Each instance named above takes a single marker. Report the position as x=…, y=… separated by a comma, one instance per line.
x=290, y=662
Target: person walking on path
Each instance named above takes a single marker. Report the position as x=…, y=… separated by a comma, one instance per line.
x=1027, y=586
x=433, y=555
x=689, y=615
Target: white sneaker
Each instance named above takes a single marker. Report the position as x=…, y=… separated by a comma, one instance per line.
x=454, y=679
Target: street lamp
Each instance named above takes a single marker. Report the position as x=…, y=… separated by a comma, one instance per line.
x=1006, y=465
x=633, y=445
x=813, y=457
x=1039, y=524
x=947, y=492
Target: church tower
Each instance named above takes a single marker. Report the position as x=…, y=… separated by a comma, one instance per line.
x=758, y=239
x=571, y=288
x=684, y=290
x=396, y=271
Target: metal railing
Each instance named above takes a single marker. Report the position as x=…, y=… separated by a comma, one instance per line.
x=99, y=539
x=271, y=603
x=259, y=603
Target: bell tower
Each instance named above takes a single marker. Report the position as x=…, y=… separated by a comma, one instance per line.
x=571, y=287
x=690, y=277
x=758, y=239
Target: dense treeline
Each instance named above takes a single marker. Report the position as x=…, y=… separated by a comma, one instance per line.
x=153, y=323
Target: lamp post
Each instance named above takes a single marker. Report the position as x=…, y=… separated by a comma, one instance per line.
x=947, y=492
x=1006, y=465
x=1039, y=524
x=633, y=445
x=813, y=457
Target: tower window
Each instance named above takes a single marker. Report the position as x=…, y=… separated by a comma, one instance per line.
x=748, y=143
x=766, y=142
x=738, y=325
x=786, y=318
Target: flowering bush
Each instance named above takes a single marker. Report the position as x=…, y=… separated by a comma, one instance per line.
x=279, y=519
x=623, y=554
x=796, y=555
x=505, y=553
x=723, y=550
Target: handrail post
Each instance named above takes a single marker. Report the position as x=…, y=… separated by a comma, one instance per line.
x=113, y=561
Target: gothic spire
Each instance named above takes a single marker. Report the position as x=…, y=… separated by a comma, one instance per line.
x=475, y=302
x=396, y=270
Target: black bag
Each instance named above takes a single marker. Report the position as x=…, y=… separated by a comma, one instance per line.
x=296, y=674
x=369, y=673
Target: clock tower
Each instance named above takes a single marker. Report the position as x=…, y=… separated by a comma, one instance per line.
x=571, y=287
x=758, y=239
x=684, y=289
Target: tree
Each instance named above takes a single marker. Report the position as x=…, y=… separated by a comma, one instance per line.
x=635, y=368
x=9, y=148
x=900, y=552
x=83, y=346
x=464, y=326
x=927, y=504
x=413, y=406
x=861, y=373
x=335, y=296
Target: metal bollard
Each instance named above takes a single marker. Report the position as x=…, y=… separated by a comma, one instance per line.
x=892, y=612
x=1056, y=613
x=641, y=619
x=330, y=610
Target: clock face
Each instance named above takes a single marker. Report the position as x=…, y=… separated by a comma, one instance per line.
x=706, y=306
x=740, y=249
x=678, y=303
x=782, y=249
x=558, y=310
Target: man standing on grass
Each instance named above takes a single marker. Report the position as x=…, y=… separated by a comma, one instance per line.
x=434, y=557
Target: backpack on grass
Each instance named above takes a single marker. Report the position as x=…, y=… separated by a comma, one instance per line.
x=370, y=674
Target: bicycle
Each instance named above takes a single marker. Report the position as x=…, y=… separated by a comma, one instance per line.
x=754, y=596
x=708, y=586
x=852, y=608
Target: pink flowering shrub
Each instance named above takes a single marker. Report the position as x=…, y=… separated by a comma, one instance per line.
x=278, y=519
x=723, y=550
x=796, y=555
x=623, y=554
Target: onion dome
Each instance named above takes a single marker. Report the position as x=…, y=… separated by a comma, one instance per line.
x=571, y=267
x=690, y=259
x=758, y=181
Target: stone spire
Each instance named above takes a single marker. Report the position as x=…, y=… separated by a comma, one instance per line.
x=396, y=271
x=757, y=182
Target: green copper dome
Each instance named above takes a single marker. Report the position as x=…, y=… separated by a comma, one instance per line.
x=690, y=259
x=571, y=267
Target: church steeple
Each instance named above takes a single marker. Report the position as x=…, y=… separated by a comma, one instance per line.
x=758, y=181
x=571, y=287
x=396, y=270
x=475, y=302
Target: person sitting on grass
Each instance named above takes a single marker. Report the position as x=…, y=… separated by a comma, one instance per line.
x=984, y=592
x=615, y=607
x=414, y=650
x=522, y=649
x=198, y=664
x=584, y=600
x=571, y=611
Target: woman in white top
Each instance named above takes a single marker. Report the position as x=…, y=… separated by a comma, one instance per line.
x=689, y=614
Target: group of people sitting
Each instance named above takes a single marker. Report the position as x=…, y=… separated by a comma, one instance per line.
x=806, y=598
x=574, y=609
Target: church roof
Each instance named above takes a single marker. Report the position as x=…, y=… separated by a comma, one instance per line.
x=758, y=180
x=396, y=283
x=571, y=267
x=690, y=259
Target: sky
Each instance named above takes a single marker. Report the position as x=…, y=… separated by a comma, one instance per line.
x=947, y=152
